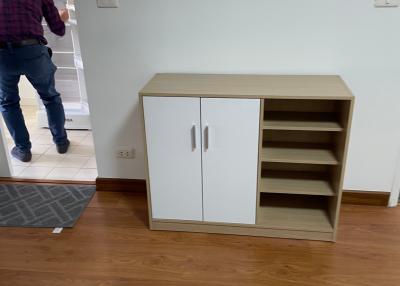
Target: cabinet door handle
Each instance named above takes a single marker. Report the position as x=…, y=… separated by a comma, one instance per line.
x=194, y=137
x=207, y=135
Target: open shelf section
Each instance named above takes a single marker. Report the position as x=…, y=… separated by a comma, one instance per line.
x=302, y=145
x=298, y=154
x=301, y=121
x=292, y=212
x=296, y=183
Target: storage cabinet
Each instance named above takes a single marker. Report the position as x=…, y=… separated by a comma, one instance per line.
x=247, y=155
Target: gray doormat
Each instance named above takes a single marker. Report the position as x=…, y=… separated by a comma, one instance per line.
x=43, y=206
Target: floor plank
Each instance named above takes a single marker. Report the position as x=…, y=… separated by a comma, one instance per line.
x=111, y=245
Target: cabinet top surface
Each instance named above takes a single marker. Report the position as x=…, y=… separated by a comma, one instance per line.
x=248, y=86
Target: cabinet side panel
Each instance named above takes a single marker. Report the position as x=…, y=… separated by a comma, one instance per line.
x=337, y=173
x=174, y=162
x=230, y=159
x=260, y=165
x=147, y=164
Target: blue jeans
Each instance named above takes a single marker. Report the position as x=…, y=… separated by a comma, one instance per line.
x=35, y=63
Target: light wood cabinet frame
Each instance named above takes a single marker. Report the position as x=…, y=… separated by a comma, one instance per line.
x=305, y=124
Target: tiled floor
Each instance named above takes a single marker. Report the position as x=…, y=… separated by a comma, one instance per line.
x=78, y=164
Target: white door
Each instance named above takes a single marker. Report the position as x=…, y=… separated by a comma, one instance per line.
x=174, y=157
x=230, y=159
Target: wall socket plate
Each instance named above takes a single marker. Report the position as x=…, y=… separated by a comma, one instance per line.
x=107, y=3
x=387, y=3
x=125, y=153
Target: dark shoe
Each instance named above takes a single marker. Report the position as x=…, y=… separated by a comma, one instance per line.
x=63, y=148
x=23, y=156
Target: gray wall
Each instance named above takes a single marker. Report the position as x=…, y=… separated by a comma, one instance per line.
x=123, y=48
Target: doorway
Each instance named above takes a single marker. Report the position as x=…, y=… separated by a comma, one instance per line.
x=79, y=163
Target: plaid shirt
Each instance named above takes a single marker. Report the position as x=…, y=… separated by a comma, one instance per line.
x=22, y=20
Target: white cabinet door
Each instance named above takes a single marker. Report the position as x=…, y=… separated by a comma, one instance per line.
x=230, y=159
x=173, y=137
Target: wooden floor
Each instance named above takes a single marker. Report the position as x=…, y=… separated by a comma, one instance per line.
x=111, y=245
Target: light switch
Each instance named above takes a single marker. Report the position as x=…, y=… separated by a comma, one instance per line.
x=387, y=3
x=107, y=3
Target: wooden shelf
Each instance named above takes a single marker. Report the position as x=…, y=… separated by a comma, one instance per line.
x=295, y=183
x=291, y=212
x=301, y=121
x=301, y=154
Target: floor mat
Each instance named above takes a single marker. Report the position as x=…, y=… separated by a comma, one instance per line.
x=43, y=205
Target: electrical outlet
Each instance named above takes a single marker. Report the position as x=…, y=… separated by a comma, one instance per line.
x=387, y=3
x=126, y=153
x=107, y=3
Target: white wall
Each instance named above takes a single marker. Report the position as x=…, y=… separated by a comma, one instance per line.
x=124, y=47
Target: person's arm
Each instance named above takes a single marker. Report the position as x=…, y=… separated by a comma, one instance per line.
x=64, y=15
x=53, y=17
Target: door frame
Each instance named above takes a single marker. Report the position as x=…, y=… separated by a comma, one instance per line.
x=395, y=193
x=5, y=165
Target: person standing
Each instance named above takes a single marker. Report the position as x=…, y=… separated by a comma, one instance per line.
x=23, y=51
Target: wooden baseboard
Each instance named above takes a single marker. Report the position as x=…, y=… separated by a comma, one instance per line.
x=349, y=197
x=126, y=185
x=120, y=185
x=44, y=182
x=366, y=198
